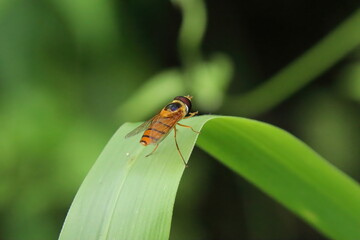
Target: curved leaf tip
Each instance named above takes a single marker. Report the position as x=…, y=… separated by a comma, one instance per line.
x=129, y=196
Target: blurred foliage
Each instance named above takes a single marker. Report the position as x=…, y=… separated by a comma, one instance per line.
x=349, y=80
x=72, y=71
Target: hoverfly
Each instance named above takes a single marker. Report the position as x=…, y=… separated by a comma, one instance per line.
x=158, y=127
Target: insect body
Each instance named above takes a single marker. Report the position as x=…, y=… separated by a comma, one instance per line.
x=158, y=127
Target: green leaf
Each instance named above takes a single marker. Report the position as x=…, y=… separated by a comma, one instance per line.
x=129, y=196
x=289, y=171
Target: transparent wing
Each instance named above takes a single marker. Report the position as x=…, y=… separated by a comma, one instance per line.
x=140, y=128
x=162, y=126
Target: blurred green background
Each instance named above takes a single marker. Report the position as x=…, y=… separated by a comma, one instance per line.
x=71, y=72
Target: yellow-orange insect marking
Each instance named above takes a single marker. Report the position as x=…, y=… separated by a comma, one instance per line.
x=158, y=127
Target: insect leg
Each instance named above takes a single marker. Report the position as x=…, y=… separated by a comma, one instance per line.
x=191, y=114
x=187, y=127
x=153, y=150
x=177, y=146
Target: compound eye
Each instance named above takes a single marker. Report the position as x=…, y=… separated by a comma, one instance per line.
x=185, y=100
x=173, y=107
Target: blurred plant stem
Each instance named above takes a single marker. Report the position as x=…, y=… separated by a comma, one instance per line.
x=205, y=79
x=191, y=31
x=300, y=72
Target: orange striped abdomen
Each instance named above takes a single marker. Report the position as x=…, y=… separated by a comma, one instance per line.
x=152, y=135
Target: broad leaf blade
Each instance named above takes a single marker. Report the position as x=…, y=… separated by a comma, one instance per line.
x=289, y=171
x=127, y=195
